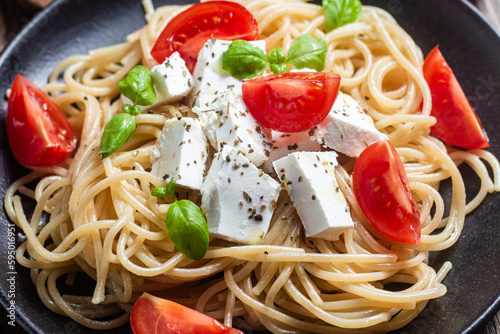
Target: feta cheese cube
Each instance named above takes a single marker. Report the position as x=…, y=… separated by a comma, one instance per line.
x=286, y=143
x=309, y=178
x=183, y=151
x=209, y=77
x=238, y=199
x=347, y=129
x=172, y=81
x=227, y=121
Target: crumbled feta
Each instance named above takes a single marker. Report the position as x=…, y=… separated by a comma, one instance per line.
x=227, y=121
x=183, y=151
x=347, y=129
x=309, y=178
x=172, y=81
x=209, y=77
x=286, y=143
x=238, y=199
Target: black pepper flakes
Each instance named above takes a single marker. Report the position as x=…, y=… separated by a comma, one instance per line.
x=247, y=197
x=258, y=218
x=313, y=197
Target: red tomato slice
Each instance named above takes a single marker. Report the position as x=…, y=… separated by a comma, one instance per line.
x=153, y=315
x=39, y=133
x=381, y=188
x=291, y=102
x=457, y=123
x=188, y=31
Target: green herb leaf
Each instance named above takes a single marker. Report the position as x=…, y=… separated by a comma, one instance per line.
x=188, y=229
x=159, y=192
x=117, y=132
x=168, y=191
x=127, y=108
x=276, y=56
x=340, y=12
x=276, y=59
x=307, y=52
x=243, y=60
x=138, y=86
x=278, y=68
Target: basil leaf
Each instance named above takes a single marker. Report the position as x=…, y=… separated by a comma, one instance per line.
x=278, y=68
x=307, y=52
x=276, y=59
x=276, y=56
x=138, y=86
x=188, y=229
x=243, y=60
x=167, y=191
x=340, y=12
x=170, y=190
x=159, y=192
x=117, y=132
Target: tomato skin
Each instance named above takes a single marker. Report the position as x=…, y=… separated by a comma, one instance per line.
x=457, y=123
x=291, y=102
x=381, y=188
x=188, y=31
x=39, y=133
x=154, y=315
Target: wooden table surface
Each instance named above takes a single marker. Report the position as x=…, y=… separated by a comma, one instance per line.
x=25, y=9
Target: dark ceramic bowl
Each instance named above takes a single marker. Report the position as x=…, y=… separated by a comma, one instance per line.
x=472, y=48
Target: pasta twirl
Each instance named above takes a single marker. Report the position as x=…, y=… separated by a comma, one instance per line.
x=104, y=223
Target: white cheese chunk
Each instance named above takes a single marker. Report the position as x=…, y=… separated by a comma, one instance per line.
x=347, y=129
x=183, y=151
x=286, y=143
x=238, y=199
x=209, y=77
x=309, y=178
x=172, y=81
x=227, y=121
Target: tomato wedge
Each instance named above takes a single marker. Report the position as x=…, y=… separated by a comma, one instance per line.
x=154, y=315
x=39, y=133
x=381, y=188
x=188, y=31
x=457, y=123
x=291, y=102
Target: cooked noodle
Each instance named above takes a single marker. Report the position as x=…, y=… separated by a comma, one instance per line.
x=102, y=220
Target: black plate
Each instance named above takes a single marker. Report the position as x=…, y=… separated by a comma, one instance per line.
x=472, y=48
